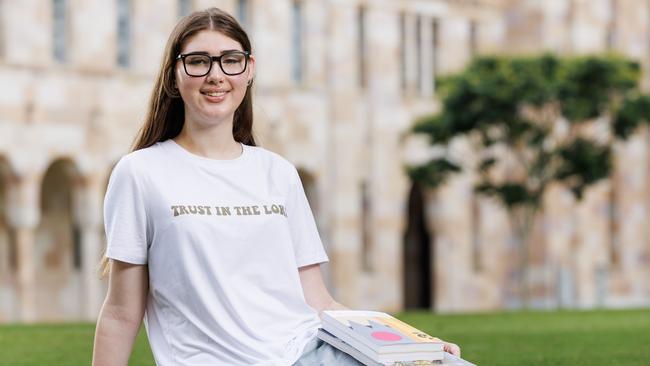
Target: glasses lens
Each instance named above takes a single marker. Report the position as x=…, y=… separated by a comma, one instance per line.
x=197, y=65
x=233, y=63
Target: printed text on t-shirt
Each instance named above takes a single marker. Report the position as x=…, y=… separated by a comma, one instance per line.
x=229, y=210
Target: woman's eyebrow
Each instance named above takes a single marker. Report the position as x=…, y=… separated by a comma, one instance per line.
x=225, y=51
x=220, y=53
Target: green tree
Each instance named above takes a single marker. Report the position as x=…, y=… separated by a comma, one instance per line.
x=543, y=119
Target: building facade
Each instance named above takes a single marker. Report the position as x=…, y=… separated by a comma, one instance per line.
x=338, y=85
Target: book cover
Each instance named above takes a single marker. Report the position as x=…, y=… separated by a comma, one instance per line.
x=447, y=360
x=379, y=331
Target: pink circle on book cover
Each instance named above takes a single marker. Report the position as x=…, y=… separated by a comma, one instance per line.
x=386, y=336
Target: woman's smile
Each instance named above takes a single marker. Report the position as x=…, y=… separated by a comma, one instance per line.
x=215, y=95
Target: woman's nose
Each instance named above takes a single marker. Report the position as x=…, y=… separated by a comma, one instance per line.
x=216, y=73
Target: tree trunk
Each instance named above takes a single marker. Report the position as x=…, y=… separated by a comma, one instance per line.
x=521, y=221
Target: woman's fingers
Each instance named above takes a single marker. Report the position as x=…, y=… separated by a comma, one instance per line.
x=452, y=348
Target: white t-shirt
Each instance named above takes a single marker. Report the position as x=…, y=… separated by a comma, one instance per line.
x=223, y=240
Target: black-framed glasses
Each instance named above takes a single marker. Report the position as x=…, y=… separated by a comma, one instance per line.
x=200, y=63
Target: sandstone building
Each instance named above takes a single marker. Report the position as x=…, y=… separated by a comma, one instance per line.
x=338, y=84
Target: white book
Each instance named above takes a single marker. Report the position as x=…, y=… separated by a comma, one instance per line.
x=344, y=347
x=448, y=359
x=381, y=333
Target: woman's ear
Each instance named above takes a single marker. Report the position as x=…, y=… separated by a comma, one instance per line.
x=251, y=69
x=174, y=92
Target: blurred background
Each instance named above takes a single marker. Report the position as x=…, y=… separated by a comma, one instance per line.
x=339, y=86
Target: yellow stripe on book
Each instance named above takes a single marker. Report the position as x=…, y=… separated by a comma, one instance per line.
x=415, y=334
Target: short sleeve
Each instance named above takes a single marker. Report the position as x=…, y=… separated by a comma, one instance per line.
x=125, y=216
x=307, y=244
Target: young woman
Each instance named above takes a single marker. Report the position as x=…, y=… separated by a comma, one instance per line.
x=210, y=238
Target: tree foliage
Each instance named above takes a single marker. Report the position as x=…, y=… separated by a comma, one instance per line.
x=545, y=118
x=533, y=122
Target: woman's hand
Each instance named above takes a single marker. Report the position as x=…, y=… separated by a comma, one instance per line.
x=451, y=348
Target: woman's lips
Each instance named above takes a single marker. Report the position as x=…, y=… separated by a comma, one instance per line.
x=215, y=96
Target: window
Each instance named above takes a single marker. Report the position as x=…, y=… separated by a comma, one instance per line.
x=3, y=13
x=435, y=50
x=184, y=7
x=123, y=33
x=60, y=30
x=297, y=42
x=366, y=228
x=13, y=250
x=243, y=12
x=473, y=38
x=77, y=247
x=418, y=52
x=361, y=46
x=610, y=41
x=614, y=226
x=402, y=50
x=476, y=233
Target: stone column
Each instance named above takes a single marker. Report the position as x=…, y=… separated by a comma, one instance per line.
x=87, y=213
x=345, y=157
x=388, y=185
x=23, y=214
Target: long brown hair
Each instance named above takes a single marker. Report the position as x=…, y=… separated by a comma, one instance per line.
x=165, y=114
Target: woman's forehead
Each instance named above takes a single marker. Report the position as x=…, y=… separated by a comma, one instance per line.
x=210, y=41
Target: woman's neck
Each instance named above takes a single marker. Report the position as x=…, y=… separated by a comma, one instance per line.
x=212, y=143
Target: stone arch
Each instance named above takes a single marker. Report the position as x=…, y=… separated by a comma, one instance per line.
x=418, y=248
x=8, y=311
x=58, y=245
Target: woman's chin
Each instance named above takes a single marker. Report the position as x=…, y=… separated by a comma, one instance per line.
x=214, y=118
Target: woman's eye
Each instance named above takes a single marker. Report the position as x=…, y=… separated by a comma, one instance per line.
x=197, y=61
x=232, y=60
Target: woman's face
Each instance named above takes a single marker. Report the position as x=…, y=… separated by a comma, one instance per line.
x=211, y=99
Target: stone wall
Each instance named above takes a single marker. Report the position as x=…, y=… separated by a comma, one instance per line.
x=347, y=134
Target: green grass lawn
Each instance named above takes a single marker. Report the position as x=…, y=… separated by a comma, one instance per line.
x=607, y=338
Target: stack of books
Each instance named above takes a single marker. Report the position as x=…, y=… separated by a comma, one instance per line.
x=378, y=339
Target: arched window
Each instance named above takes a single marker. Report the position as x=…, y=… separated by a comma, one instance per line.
x=57, y=252
x=418, y=253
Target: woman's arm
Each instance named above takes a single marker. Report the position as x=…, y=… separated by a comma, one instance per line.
x=316, y=294
x=319, y=298
x=121, y=314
